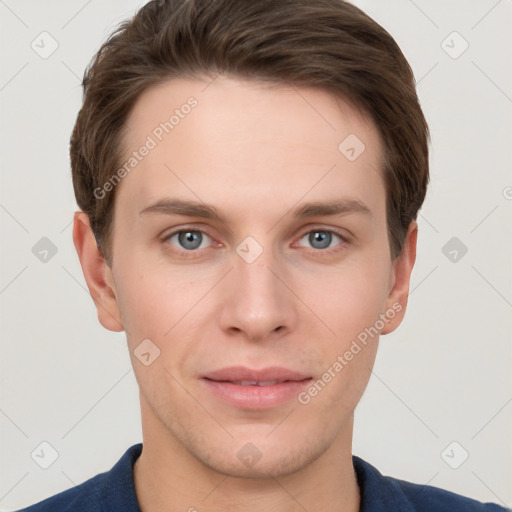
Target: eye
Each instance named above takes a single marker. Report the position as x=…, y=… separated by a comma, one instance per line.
x=321, y=239
x=188, y=239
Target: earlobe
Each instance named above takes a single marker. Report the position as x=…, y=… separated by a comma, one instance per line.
x=96, y=273
x=396, y=303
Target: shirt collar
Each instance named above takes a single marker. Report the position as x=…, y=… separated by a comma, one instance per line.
x=119, y=490
x=379, y=493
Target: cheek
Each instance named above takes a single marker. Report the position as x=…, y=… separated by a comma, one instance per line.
x=348, y=299
x=346, y=357
x=153, y=299
x=155, y=309
x=165, y=306
x=351, y=303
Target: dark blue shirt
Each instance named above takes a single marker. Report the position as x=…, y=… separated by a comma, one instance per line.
x=114, y=491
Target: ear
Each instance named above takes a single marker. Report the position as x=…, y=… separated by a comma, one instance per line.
x=97, y=274
x=400, y=279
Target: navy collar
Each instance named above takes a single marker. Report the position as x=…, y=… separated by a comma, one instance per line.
x=379, y=493
x=118, y=493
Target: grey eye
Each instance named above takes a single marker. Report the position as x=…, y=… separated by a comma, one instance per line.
x=189, y=240
x=320, y=239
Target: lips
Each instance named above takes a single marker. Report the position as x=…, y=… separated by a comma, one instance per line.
x=246, y=388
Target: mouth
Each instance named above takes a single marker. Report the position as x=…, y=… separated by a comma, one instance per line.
x=256, y=383
x=245, y=388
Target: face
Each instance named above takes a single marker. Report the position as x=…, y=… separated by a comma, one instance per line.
x=251, y=270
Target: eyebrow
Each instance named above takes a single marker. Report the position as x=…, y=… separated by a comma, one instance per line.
x=170, y=206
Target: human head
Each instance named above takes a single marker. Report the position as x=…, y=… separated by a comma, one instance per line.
x=252, y=148
x=327, y=44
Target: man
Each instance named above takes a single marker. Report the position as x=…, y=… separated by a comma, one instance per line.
x=249, y=175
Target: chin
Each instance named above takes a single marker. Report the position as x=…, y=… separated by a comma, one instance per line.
x=262, y=458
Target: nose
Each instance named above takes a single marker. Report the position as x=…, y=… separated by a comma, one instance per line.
x=257, y=305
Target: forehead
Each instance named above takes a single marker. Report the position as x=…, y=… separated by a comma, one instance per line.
x=210, y=138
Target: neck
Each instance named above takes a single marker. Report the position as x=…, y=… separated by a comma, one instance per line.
x=168, y=477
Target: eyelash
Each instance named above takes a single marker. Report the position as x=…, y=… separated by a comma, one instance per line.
x=191, y=253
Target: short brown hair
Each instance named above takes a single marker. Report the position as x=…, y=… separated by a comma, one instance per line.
x=327, y=44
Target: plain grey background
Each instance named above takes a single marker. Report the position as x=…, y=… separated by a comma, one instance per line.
x=438, y=408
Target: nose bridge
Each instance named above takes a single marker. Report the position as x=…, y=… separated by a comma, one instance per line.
x=256, y=285
x=252, y=261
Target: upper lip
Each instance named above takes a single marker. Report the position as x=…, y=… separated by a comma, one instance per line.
x=241, y=373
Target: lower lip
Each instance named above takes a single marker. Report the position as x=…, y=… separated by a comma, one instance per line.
x=256, y=397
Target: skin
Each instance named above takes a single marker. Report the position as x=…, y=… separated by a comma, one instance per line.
x=255, y=153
